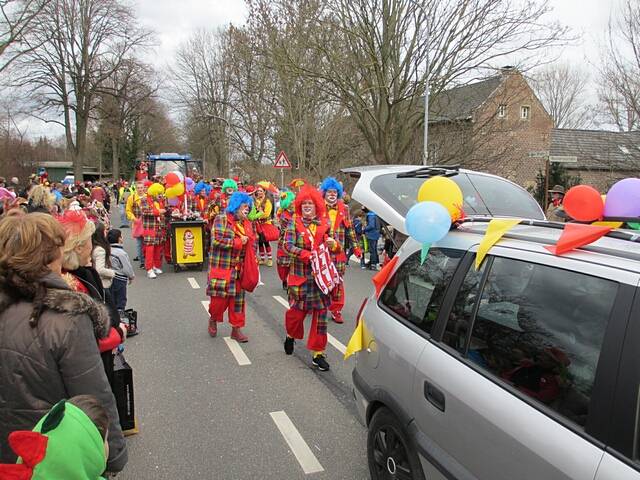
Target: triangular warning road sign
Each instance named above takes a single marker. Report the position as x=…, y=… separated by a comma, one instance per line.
x=282, y=161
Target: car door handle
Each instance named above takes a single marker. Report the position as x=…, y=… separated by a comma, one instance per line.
x=434, y=396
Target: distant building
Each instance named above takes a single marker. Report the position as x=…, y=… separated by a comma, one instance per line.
x=497, y=125
x=600, y=158
x=58, y=170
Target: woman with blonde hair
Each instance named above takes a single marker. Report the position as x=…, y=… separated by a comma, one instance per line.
x=47, y=334
x=40, y=200
x=83, y=278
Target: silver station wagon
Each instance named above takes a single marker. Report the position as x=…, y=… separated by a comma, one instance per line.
x=525, y=369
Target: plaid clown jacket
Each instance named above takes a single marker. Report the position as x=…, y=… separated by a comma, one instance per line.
x=341, y=229
x=154, y=231
x=301, y=236
x=285, y=217
x=227, y=256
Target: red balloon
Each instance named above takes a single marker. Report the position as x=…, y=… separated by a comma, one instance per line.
x=583, y=203
x=171, y=179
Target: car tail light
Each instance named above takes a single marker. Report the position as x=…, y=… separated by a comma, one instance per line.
x=364, y=304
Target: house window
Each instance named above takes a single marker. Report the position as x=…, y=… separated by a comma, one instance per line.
x=525, y=112
x=502, y=111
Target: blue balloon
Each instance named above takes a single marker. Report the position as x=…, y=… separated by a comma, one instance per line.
x=428, y=222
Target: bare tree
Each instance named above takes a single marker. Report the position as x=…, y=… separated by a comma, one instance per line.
x=202, y=88
x=78, y=46
x=123, y=99
x=562, y=90
x=372, y=55
x=620, y=71
x=17, y=18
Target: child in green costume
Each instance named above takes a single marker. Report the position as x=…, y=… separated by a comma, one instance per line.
x=68, y=443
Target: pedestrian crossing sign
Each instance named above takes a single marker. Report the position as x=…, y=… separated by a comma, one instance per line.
x=282, y=161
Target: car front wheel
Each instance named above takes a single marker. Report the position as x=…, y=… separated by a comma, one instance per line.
x=389, y=450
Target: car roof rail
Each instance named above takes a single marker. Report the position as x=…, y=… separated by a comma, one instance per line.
x=616, y=234
x=434, y=171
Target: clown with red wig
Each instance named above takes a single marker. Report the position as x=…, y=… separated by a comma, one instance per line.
x=341, y=229
x=231, y=235
x=305, y=234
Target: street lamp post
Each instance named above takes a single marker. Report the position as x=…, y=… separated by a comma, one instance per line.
x=425, y=152
x=210, y=115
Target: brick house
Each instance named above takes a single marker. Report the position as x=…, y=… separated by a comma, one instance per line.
x=496, y=125
x=600, y=158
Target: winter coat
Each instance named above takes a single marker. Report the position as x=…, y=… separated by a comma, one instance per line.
x=121, y=263
x=372, y=230
x=56, y=359
x=99, y=257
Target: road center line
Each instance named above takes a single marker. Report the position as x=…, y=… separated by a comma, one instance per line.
x=330, y=338
x=298, y=446
x=205, y=305
x=237, y=351
x=193, y=283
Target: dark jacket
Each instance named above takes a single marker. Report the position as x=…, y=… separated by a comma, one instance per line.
x=54, y=360
x=372, y=229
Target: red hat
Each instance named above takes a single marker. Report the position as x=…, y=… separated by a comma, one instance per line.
x=250, y=189
x=73, y=221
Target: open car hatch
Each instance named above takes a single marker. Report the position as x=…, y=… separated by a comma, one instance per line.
x=391, y=190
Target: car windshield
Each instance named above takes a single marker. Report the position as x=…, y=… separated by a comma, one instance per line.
x=483, y=195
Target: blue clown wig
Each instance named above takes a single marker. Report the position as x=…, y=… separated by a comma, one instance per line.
x=238, y=199
x=331, y=183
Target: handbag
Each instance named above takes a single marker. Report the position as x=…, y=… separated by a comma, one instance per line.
x=131, y=319
x=324, y=270
x=137, y=230
x=123, y=392
x=250, y=274
x=270, y=232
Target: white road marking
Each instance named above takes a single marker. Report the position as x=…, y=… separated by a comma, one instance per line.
x=298, y=446
x=330, y=338
x=193, y=283
x=336, y=343
x=237, y=351
x=205, y=304
x=281, y=301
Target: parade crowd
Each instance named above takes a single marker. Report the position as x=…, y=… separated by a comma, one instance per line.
x=64, y=276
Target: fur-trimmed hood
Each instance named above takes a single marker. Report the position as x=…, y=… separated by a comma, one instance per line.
x=60, y=298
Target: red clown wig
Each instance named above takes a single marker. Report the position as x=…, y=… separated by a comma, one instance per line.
x=310, y=193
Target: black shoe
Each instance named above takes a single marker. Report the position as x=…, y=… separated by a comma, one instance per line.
x=320, y=361
x=142, y=266
x=288, y=345
x=136, y=259
x=284, y=285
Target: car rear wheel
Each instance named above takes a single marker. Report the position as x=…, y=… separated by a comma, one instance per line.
x=389, y=450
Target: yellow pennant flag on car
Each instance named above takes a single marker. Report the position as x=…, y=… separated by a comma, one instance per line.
x=496, y=229
x=356, y=343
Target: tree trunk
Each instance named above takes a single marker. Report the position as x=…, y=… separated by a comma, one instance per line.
x=115, y=159
x=81, y=146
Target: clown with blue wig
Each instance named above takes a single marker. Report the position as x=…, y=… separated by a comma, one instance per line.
x=341, y=229
x=231, y=237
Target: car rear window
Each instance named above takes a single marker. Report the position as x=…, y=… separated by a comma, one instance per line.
x=483, y=195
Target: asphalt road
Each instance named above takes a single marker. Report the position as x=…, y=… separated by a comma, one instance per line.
x=202, y=414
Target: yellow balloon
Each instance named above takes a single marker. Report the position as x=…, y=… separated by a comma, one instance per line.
x=155, y=190
x=175, y=191
x=608, y=224
x=444, y=191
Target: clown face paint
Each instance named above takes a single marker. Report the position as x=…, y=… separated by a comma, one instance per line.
x=229, y=191
x=332, y=197
x=308, y=209
x=243, y=211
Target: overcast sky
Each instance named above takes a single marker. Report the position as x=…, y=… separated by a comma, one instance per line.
x=175, y=21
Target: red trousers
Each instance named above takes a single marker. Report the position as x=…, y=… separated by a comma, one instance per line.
x=152, y=256
x=283, y=272
x=337, y=299
x=294, y=323
x=217, y=307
